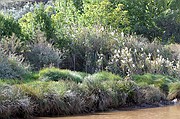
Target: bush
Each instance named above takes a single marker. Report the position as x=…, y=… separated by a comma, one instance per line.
x=8, y=26
x=135, y=55
x=56, y=74
x=90, y=48
x=43, y=54
x=37, y=19
x=111, y=93
x=12, y=66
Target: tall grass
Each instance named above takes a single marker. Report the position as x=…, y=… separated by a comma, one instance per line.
x=13, y=103
x=174, y=91
x=67, y=97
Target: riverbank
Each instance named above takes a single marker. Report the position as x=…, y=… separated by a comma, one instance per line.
x=57, y=92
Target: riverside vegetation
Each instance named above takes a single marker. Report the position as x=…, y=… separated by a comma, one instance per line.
x=67, y=57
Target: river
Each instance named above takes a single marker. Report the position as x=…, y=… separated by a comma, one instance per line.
x=169, y=112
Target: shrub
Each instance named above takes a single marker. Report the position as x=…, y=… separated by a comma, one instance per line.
x=89, y=48
x=111, y=93
x=56, y=74
x=37, y=19
x=43, y=54
x=12, y=66
x=8, y=26
x=134, y=55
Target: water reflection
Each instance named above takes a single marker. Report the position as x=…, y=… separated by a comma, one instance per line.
x=170, y=112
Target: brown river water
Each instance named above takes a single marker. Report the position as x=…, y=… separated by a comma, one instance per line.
x=169, y=112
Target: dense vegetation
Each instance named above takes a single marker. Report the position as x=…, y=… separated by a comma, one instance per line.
x=68, y=57
x=41, y=95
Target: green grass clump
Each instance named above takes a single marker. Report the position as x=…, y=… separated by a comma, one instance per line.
x=27, y=78
x=151, y=78
x=174, y=91
x=160, y=81
x=104, y=76
x=52, y=98
x=55, y=74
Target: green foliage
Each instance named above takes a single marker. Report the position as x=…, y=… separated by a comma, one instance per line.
x=62, y=21
x=12, y=66
x=104, y=76
x=27, y=25
x=37, y=20
x=174, y=91
x=149, y=78
x=122, y=92
x=144, y=16
x=169, y=23
x=8, y=26
x=79, y=5
x=104, y=14
x=52, y=98
x=90, y=48
x=27, y=78
x=56, y=74
x=159, y=81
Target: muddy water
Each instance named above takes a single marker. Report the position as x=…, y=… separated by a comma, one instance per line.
x=170, y=112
